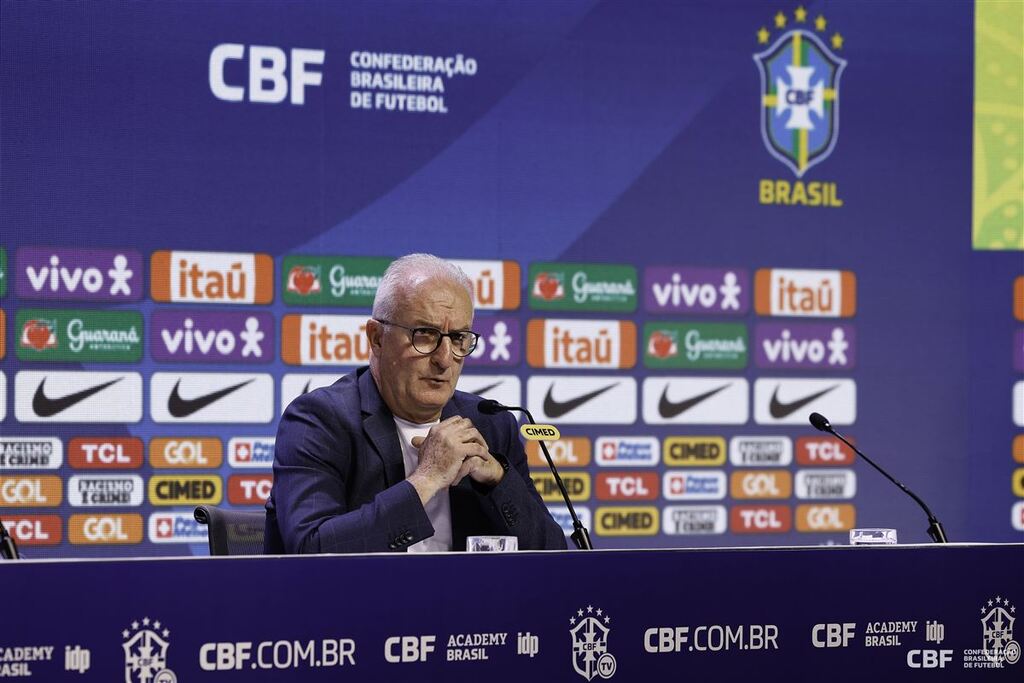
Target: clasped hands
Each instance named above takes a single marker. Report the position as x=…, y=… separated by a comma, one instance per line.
x=452, y=449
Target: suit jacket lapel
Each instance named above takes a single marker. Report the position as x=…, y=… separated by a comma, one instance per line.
x=380, y=429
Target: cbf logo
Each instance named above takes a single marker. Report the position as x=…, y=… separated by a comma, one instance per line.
x=589, y=631
x=799, y=92
x=145, y=653
x=997, y=620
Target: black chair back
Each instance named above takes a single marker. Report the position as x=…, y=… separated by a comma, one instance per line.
x=233, y=532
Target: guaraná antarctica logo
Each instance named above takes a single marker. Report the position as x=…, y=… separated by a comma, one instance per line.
x=145, y=653
x=799, y=91
x=589, y=629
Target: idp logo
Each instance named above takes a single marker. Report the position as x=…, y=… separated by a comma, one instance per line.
x=176, y=527
x=105, y=529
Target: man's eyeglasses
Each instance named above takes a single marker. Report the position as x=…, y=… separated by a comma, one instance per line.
x=427, y=339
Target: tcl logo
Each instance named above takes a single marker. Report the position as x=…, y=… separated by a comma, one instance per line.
x=761, y=484
x=627, y=486
x=105, y=453
x=185, y=453
x=105, y=529
x=762, y=519
x=40, y=491
x=34, y=529
x=817, y=451
x=833, y=635
x=569, y=451
x=272, y=75
x=249, y=489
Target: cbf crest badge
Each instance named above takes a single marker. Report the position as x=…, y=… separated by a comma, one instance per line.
x=799, y=91
x=145, y=653
x=997, y=620
x=589, y=630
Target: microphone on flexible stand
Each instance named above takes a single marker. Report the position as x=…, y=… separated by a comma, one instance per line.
x=935, y=530
x=580, y=536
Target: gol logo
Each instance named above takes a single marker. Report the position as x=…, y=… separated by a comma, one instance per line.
x=569, y=451
x=694, y=451
x=627, y=521
x=249, y=489
x=817, y=451
x=1018, y=298
x=324, y=340
x=1018, y=482
x=105, y=453
x=209, y=277
x=825, y=517
x=577, y=485
x=34, y=529
x=30, y=492
x=1018, y=448
x=761, y=484
x=627, y=485
x=168, y=490
x=592, y=344
x=760, y=519
x=811, y=293
x=105, y=529
x=185, y=453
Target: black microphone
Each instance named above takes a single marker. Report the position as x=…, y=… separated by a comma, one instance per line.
x=935, y=530
x=8, y=550
x=580, y=536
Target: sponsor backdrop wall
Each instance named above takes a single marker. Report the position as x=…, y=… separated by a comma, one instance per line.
x=688, y=224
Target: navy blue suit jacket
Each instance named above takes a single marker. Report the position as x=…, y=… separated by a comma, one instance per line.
x=339, y=479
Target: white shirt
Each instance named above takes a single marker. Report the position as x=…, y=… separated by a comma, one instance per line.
x=438, y=508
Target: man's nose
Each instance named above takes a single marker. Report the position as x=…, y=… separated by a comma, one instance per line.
x=442, y=356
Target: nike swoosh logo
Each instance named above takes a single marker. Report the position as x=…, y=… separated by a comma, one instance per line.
x=182, y=407
x=482, y=390
x=44, y=406
x=669, y=409
x=556, y=409
x=779, y=410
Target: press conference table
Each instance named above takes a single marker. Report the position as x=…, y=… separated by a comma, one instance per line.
x=810, y=613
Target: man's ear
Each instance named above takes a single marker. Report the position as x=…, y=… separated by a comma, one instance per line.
x=374, y=334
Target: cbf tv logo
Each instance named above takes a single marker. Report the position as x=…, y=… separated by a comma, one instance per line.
x=799, y=93
x=589, y=629
x=145, y=653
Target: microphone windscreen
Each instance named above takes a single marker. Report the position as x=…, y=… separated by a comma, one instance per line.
x=489, y=406
x=820, y=422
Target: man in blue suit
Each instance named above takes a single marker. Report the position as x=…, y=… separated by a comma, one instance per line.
x=391, y=457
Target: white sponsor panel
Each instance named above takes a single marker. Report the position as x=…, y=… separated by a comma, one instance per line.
x=176, y=527
x=31, y=453
x=199, y=397
x=696, y=400
x=561, y=515
x=505, y=389
x=582, y=344
x=251, y=452
x=105, y=490
x=689, y=520
x=294, y=385
x=608, y=399
x=1017, y=516
x=788, y=401
x=3, y=396
x=693, y=485
x=78, y=396
x=488, y=279
x=760, y=451
x=190, y=269
x=627, y=451
x=1018, y=404
x=822, y=484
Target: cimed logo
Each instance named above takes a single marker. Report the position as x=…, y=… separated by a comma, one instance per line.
x=799, y=91
x=589, y=630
